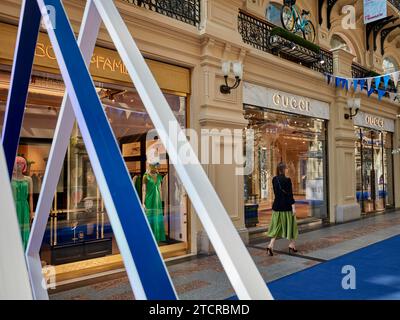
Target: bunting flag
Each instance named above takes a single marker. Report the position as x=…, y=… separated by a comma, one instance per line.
x=369, y=82
x=343, y=82
x=355, y=85
x=362, y=84
x=377, y=82
x=370, y=91
x=374, y=84
x=386, y=81
x=381, y=93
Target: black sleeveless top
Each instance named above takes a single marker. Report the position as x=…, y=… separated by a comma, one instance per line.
x=283, y=193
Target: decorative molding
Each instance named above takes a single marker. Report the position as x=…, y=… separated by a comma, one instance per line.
x=227, y=51
x=242, y=54
x=375, y=27
x=384, y=34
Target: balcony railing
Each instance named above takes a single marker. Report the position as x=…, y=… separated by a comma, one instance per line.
x=395, y=3
x=258, y=33
x=187, y=11
x=358, y=71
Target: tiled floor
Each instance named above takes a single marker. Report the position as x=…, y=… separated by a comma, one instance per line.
x=204, y=277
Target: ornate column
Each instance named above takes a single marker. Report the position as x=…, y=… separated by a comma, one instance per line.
x=344, y=206
x=220, y=114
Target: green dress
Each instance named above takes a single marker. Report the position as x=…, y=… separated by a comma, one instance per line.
x=283, y=225
x=154, y=210
x=20, y=190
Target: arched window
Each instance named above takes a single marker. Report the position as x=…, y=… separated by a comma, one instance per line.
x=338, y=42
x=390, y=65
x=273, y=13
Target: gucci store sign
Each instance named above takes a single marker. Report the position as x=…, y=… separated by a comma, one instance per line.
x=278, y=100
x=374, y=122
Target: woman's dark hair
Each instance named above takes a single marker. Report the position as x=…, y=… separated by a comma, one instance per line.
x=280, y=169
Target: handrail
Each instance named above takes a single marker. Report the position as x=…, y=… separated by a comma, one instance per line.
x=188, y=11
x=257, y=33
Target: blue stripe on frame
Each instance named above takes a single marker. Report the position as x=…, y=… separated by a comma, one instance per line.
x=92, y=119
x=20, y=77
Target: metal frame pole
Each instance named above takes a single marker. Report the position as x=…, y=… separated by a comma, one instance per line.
x=86, y=41
x=14, y=280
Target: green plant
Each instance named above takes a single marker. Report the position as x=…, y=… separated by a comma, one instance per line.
x=295, y=39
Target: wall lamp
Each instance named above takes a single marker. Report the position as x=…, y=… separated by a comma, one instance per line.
x=354, y=103
x=237, y=71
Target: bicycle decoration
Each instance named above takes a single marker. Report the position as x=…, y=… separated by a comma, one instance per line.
x=371, y=84
x=296, y=22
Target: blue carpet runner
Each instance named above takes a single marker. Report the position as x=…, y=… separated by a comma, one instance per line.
x=377, y=269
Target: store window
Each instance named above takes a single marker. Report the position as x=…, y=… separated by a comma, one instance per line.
x=78, y=227
x=374, y=169
x=390, y=65
x=273, y=13
x=298, y=141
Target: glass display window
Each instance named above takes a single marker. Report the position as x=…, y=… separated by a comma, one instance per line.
x=78, y=227
x=298, y=141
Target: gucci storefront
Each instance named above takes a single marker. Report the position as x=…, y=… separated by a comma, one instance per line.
x=292, y=129
x=374, y=162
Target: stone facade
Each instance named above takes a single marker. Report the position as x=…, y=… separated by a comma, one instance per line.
x=203, y=48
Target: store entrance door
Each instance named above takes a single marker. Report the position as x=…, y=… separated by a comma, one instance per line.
x=298, y=141
x=373, y=168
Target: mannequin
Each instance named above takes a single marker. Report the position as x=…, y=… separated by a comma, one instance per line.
x=22, y=188
x=152, y=201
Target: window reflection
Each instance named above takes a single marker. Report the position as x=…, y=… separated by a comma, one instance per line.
x=390, y=65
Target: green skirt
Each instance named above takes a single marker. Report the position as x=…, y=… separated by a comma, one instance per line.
x=283, y=225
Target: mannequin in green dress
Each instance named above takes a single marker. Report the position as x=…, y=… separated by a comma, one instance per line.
x=22, y=188
x=152, y=201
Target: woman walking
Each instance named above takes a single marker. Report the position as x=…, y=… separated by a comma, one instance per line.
x=283, y=223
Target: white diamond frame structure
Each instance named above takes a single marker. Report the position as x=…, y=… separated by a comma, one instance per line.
x=146, y=270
